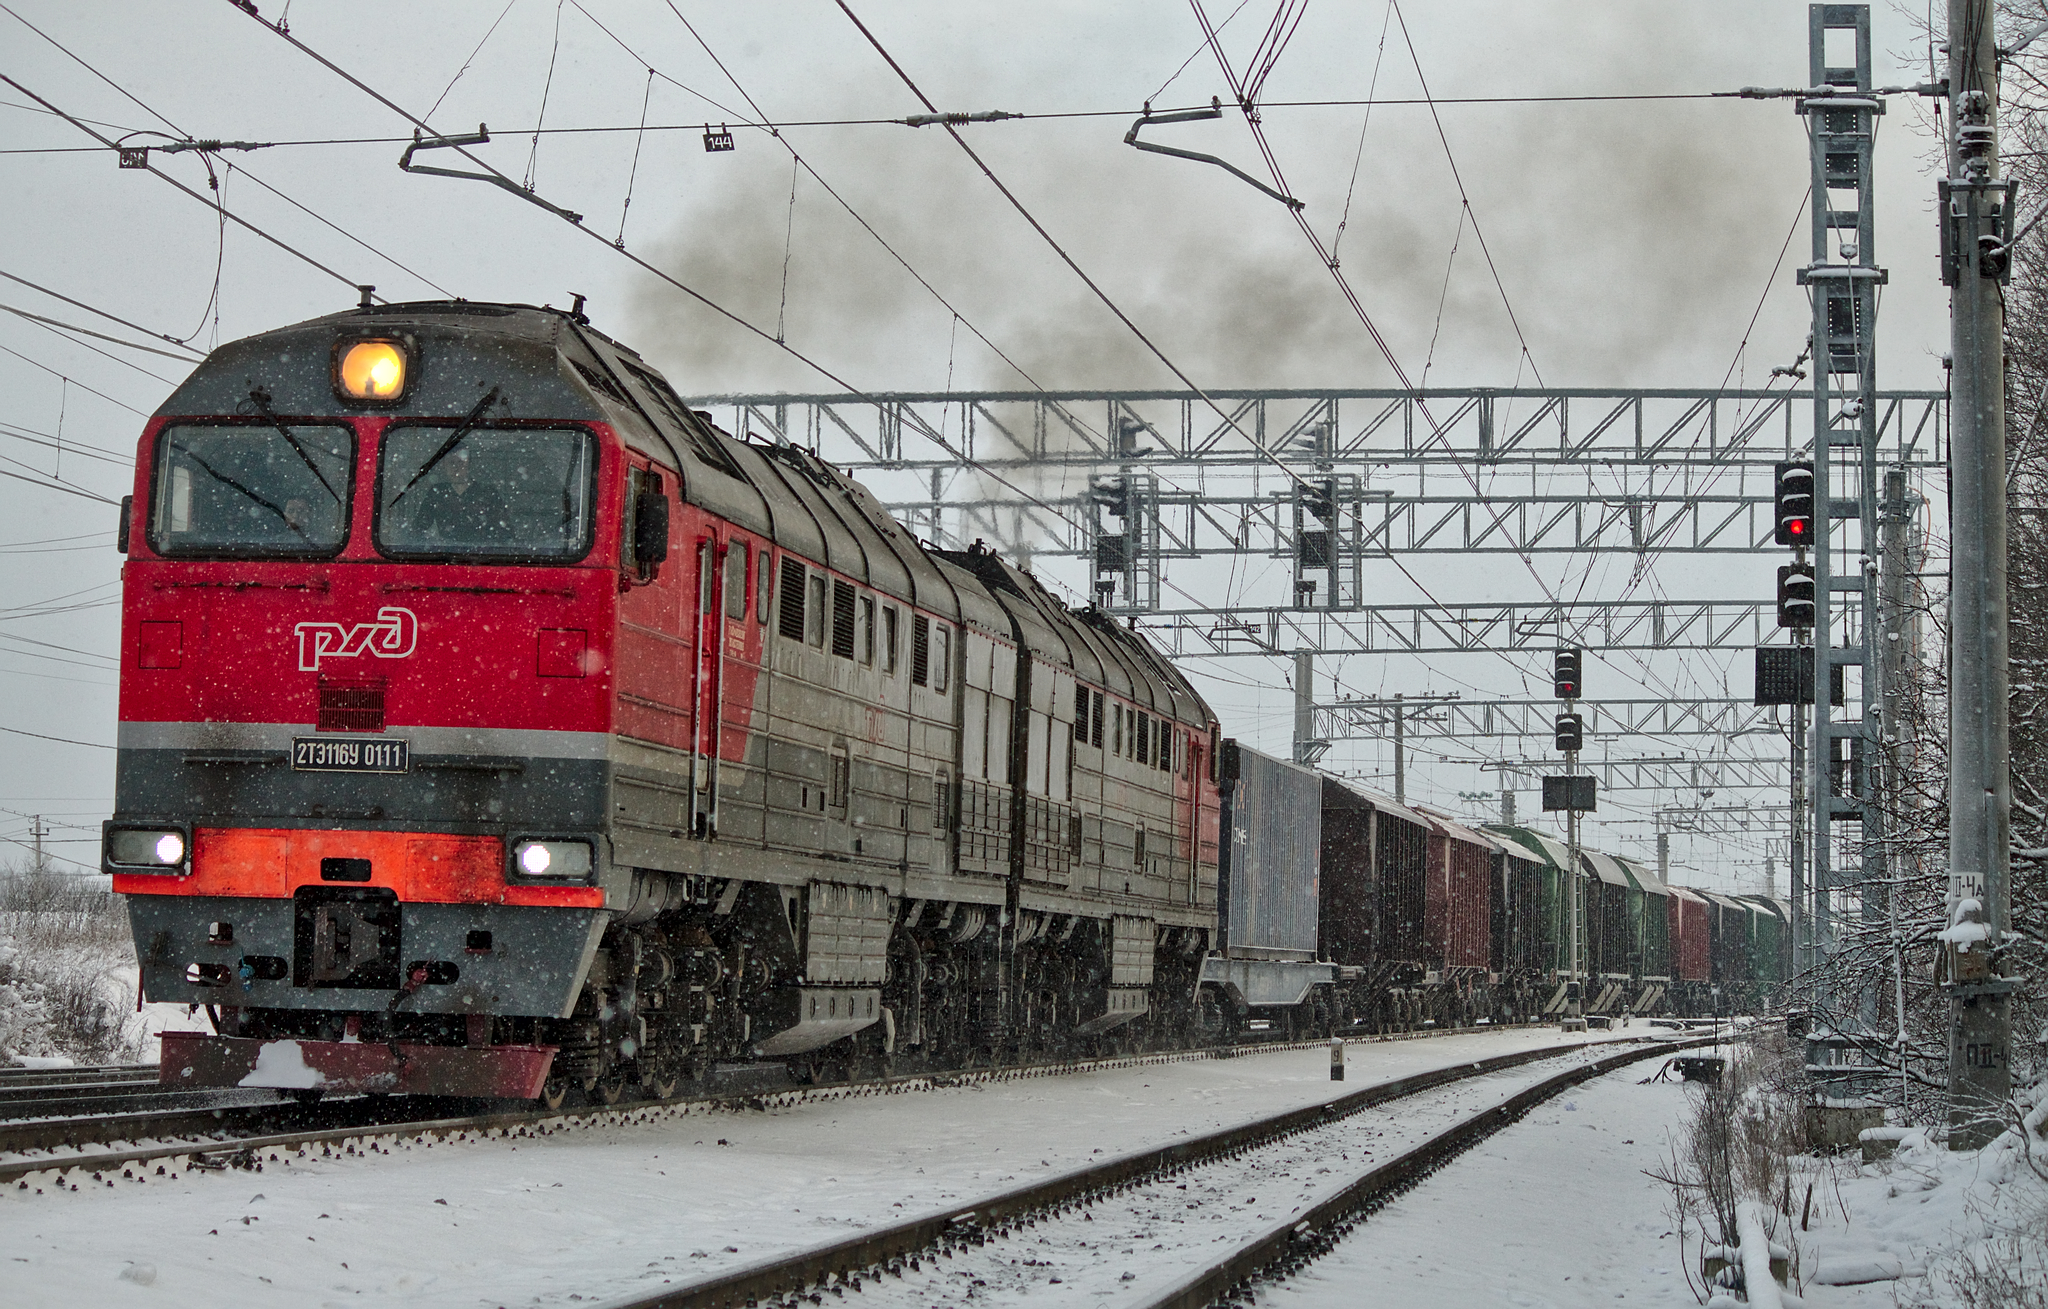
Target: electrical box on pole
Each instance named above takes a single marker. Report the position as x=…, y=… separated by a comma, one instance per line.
x=1570, y=795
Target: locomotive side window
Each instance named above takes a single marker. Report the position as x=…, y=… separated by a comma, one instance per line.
x=791, y=621
x=864, y=631
x=814, y=612
x=889, y=641
x=762, y=576
x=736, y=580
x=941, y=635
x=643, y=535
x=240, y=490
x=486, y=492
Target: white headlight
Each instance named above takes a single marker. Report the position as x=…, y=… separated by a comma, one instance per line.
x=152, y=849
x=564, y=859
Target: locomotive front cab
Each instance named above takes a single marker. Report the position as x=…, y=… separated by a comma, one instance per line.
x=365, y=690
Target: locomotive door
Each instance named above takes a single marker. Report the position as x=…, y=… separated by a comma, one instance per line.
x=707, y=690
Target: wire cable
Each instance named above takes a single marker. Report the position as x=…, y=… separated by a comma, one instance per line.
x=156, y=172
x=92, y=309
x=310, y=213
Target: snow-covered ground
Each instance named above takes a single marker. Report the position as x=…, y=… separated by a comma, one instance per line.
x=1559, y=1211
x=1554, y=1211
x=601, y=1212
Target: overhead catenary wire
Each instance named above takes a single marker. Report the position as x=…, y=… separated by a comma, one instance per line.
x=664, y=276
x=94, y=309
x=72, y=380
x=736, y=121
x=100, y=336
x=156, y=172
x=318, y=217
x=1250, y=108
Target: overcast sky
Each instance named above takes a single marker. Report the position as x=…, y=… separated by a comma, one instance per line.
x=1631, y=241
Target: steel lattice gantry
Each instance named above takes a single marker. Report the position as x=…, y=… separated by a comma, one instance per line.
x=1454, y=629
x=1482, y=719
x=1330, y=480
x=1657, y=773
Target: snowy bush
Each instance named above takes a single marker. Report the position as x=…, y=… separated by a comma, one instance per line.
x=67, y=969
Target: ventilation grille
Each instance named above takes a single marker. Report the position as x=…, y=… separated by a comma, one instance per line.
x=356, y=706
x=791, y=619
x=842, y=619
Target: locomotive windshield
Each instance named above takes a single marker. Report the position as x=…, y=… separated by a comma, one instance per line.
x=486, y=492
x=248, y=489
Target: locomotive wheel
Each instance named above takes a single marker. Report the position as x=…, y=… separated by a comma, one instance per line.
x=553, y=1093
x=660, y=1086
x=607, y=1089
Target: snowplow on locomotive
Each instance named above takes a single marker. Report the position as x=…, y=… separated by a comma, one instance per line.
x=493, y=724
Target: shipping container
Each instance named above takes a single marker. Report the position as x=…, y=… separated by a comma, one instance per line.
x=1652, y=921
x=1272, y=856
x=1612, y=948
x=1691, y=961
x=1374, y=856
x=1770, y=936
x=1456, y=897
x=1537, y=914
x=1731, y=948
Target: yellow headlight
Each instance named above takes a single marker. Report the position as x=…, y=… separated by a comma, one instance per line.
x=372, y=370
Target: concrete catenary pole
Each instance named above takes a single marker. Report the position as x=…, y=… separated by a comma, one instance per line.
x=1977, y=215
x=1304, y=706
x=1400, y=752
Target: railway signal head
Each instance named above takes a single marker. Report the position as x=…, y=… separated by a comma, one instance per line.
x=1795, y=595
x=1571, y=732
x=1564, y=674
x=1792, y=497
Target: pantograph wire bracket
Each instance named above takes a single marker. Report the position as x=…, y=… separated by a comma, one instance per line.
x=482, y=136
x=1215, y=110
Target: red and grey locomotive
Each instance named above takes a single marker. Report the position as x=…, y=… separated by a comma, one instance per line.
x=493, y=724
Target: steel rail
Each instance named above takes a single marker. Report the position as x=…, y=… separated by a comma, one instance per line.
x=213, y=1131
x=846, y=1264
x=11, y=1077
x=1292, y=1244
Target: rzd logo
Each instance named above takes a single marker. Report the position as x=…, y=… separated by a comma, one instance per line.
x=390, y=637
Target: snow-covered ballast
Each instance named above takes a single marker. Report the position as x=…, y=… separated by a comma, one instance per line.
x=1269, y=883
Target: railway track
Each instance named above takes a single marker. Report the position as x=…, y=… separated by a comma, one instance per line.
x=1041, y=1228
x=96, y=1141
x=106, y=1089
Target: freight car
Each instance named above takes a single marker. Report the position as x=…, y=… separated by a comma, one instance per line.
x=492, y=723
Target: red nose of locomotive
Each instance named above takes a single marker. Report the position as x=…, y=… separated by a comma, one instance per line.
x=365, y=678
